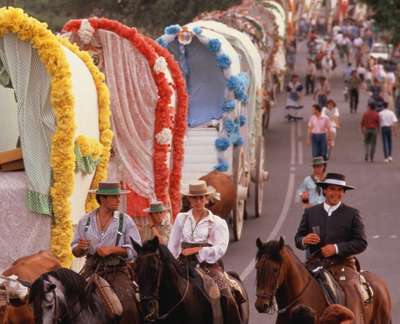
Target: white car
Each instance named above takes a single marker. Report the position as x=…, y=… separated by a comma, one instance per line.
x=381, y=51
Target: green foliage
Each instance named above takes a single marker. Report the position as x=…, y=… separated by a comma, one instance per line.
x=386, y=15
x=148, y=15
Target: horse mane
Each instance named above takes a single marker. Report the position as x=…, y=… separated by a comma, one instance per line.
x=271, y=249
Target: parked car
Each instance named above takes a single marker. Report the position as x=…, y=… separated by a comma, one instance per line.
x=381, y=51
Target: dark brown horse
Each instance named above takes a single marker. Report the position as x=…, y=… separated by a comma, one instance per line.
x=281, y=275
x=171, y=292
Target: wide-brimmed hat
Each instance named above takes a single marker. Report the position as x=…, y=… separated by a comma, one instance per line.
x=109, y=189
x=198, y=188
x=335, y=179
x=319, y=160
x=156, y=207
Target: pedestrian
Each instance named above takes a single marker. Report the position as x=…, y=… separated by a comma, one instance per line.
x=354, y=91
x=105, y=237
x=337, y=314
x=310, y=76
x=322, y=91
x=332, y=112
x=369, y=128
x=341, y=229
x=319, y=133
x=293, y=101
x=302, y=314
x=160, y=224
x=388, y=122
x=309, y=193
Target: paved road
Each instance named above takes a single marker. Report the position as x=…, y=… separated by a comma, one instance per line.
x=288, y=161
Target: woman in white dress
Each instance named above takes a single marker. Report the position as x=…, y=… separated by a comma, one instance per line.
x=332, y=112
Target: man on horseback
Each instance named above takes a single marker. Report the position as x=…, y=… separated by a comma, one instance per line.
x=104, y=237
x=201, y=238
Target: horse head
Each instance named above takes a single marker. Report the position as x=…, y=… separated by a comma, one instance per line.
x=148, y=270
x=55, y=296
x=270, y=273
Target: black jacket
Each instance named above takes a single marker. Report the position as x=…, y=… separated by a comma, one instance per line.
x=344, y=228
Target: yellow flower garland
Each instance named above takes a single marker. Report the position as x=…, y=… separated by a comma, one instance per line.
x=106, y=133
x=62, y=158
x=90, y=147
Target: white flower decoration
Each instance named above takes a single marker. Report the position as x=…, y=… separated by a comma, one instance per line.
x=164, y=137
x=161, y=65
x=86, y=32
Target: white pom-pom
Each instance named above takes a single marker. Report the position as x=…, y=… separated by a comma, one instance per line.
x=86, y=31
x=161, y=65
x=164, y=137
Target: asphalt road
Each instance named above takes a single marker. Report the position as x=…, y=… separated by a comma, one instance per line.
x=288, y=161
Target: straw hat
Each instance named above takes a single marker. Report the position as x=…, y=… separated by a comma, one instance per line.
x=198, y=188
x=109, y=189
x=156, y=207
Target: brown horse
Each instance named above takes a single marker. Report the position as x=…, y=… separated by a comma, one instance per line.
x=27, y=268
x=281, y=275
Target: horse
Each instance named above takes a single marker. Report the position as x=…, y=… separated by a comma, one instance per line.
x=171, y=292
x=28, y=269
x=281, y=275
x=63, y=296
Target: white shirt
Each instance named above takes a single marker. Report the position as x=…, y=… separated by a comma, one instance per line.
x=331, y=114
x=330, y=209
x=387, y=118
x=211, y=229
x=358, y=42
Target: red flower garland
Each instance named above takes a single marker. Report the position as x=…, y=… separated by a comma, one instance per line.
x=162, y=118
x=179, y=126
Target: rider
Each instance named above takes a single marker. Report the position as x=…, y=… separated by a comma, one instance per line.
x=160, y=224
x=198, y=236
x=341, y=229
x=104, y=237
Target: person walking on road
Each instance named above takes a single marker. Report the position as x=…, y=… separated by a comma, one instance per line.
x=293, y=101
x=332, y=112
x=322, y=91
x=354, y=90
x=319, y=133
x=310, y=76
x=308, y=191
x=369, y=128
x=388, y=122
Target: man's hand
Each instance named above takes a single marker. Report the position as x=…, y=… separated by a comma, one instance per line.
x=328, y=250
x=311, y=239
x=104, y=251
x=305, y=195
x=83, y=245
x=191, y=251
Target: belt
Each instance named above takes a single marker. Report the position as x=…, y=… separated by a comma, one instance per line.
x=186, y=245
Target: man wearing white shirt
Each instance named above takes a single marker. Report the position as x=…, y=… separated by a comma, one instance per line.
x=388, y=122
x=332, y=227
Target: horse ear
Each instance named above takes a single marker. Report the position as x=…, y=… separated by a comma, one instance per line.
x=259, y=243
x=136, y=246
x=281, y=243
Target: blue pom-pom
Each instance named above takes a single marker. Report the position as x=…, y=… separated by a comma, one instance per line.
x=238, y=141
x=242, y=120
x=239, y=84
x=162, y=42
x=229, y=125
x=229, y=105
x=214, y=45
x=222, y=166
x=223, y=61
x=197, y=30
x=172, y=29
x=222, y=144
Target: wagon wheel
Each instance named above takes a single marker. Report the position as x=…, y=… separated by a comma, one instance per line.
x=260, y=176
x=240, y=181
x=265, y=120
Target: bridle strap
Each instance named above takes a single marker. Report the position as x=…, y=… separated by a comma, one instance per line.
x=294, y=301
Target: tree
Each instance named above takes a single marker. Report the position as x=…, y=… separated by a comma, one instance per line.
x=386, y=14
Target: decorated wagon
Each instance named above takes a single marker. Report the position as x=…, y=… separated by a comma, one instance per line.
x=149, y=106
x=219, y=105
x=55, y=137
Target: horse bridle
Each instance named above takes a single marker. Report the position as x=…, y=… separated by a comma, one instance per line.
x=273, y=294
x=156, y=296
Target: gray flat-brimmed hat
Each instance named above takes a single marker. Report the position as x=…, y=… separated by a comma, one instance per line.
x=156, y=207
x=109, y=189
x=335, y=179
x=198, y=188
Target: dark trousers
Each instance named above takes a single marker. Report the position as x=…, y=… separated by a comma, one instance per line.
x=370, y=143
x=322, y=100
x=353, y=100
x=310, y=84
x=319, y=145
x=387, y=141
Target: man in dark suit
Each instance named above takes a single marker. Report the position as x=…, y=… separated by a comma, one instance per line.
x=332, y=226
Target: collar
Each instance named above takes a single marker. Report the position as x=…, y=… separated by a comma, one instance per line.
x=209, y=217
x=330, y=209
